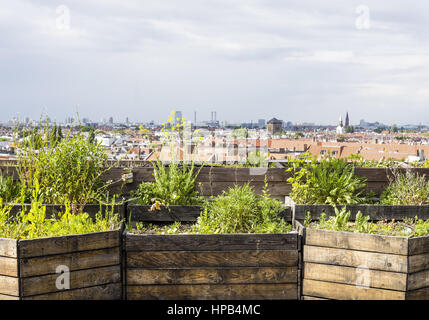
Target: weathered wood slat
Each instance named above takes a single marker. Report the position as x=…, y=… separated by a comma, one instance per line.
x=8, y=266
x=245, y=258
x=52, y=210
x=311, y=298
x=104, y=292
x=376, y=212
x=74, y=261
x=420, y=294
x=8, y=248
x=418, y=262
x=7, y=297
x=141, y=213
x=355, y=276
x=213, y=242
x=212, y=276
x=67, y=244
x=216, y=188
x=353, y=258
x=418, y=245
x=339, y=291
x=357, y=241
x=418, y=280
x=215, y=292
x=78, y=279
x=9, y=286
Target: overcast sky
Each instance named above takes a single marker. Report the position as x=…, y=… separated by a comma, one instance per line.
x=296, y=60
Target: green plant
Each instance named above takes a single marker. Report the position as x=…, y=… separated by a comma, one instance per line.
x=341, y=218
x=67, y=168
x=34, y=223
x=332, y=181
x=174, y=185
x=360, y=161
x=241, y=210
x=406, y=189
x=9, y=190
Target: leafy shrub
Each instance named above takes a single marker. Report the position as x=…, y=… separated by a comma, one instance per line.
x=9, y=190
x=67, y=169
x=34, y=223
x=174, y=185
x=406, y=189
x=332, y=181
x=241, y=210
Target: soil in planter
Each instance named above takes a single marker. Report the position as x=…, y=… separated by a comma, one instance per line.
x=340, y=222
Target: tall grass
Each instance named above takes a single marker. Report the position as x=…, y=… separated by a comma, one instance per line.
x=406, y=189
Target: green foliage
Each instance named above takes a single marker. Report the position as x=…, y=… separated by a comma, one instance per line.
x=362, y=224
x=9, y=190
x=240, y=133
x=332, y=181
x=241, y=210
x=174, y=185
x=406, y=189
x=350, y=129
x=359, y=161
x=35, y=224
x=67, y=169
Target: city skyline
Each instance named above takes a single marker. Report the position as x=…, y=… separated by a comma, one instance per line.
x=247, y=60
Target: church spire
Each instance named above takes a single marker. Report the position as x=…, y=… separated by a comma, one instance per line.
x=347, y=123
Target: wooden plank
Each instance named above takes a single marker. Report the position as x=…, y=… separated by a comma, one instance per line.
x=74, y=261
x=354, y=258
x=141, y=213
x=9, y=266
x=216, y=188
x=353, y=276
x=52, y=210
x=9, y=286
x=214, y=292
x=67, y=244
x=418, y=245
x=78, y=279
x=383, y=174
x=7, y=297
x=231, y=174
x=111, y=291
x=212, y=276
x=357, y=241
x=330, y=290
x=311, y=298
x=8, y=248
x=376, y=212
x=418, y=262
x=245, y=258
x=418, y=280
x=420, y=294
x=214, y=242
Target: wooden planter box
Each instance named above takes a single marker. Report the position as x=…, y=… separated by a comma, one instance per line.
x=221, y=266
x=142, y=213
x=28, y=268
x=375, y=211
x=54, y=209
x=349, y=266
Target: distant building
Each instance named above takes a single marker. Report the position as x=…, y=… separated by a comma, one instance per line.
x=261, y=123
x=340, y=128
x=274, y=126
x=347, y=121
